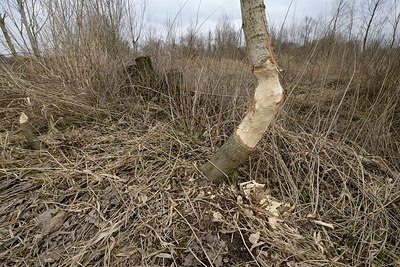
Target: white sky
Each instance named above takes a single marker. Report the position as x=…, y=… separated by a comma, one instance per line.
x=209, y=12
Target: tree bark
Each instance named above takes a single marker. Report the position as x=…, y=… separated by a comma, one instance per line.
x=376, y=5
x=268, y=96
x=7, y=36
x=29, y=133
x=29, y=28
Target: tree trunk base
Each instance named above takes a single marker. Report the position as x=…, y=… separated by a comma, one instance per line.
x=226, y=160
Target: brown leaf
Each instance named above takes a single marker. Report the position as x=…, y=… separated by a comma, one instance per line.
x=53, y=224
x=51, y=256
x=254, y=240
x=44, y=217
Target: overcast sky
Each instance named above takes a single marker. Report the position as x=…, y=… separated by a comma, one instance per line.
x=205, y=14
x=209, y=12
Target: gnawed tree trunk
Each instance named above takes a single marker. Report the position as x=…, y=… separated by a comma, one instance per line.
x=29, y=132
x=268, y=96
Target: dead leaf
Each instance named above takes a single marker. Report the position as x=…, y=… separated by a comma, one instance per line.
x=248, y=212
x=272, y=206
x=211, y=239
x=239, y=200
x=23, y=118
x=53, y=224
x=318, y=241
x=287, y=209
x=273, y=222
x=107, y=232
x=251, y=184
x=46, y=216
x=218, y=261
x=217, y=216
x=251, y=188
x=143, y=198
x=93, y=217
x=254, y=238
x=51, y=256
x=189, y=260
x=200, y=196
x=164, y=255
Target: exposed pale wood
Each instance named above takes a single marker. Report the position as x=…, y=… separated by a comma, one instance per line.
x=29, y=132
x=267, y=99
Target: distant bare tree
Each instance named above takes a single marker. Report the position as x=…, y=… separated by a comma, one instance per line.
x=350, y=19
x=308, y=26
x=226, y=37
x=394, y=21
x=29, y=24
x=372, y=7
x=340, y=7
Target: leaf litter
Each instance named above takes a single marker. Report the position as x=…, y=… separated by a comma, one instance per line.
x=112, y=189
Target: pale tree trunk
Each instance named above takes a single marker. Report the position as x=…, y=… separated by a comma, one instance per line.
x=7, y=36
x=29, y=28
x=268, y=96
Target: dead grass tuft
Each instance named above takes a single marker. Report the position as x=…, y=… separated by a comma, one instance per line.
x=118, y=184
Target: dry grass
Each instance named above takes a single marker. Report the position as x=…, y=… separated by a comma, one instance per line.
x=118, y=186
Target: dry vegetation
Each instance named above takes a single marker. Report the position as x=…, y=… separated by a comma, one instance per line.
x=117, y=185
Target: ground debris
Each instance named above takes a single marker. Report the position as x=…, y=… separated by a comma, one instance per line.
x=119, y=194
